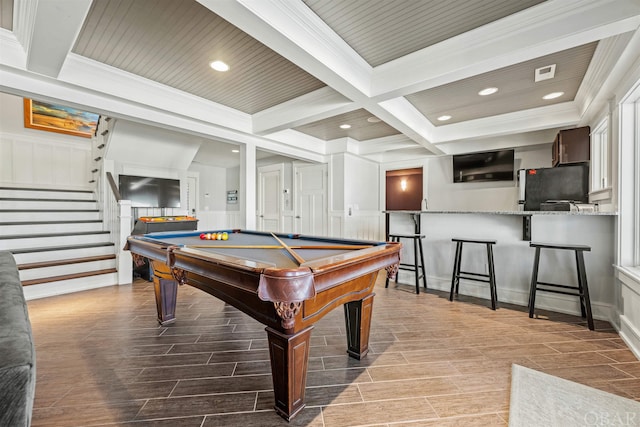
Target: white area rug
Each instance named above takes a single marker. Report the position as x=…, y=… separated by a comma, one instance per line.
x=542, y=400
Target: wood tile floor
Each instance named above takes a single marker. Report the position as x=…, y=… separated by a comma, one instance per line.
x=102, y=359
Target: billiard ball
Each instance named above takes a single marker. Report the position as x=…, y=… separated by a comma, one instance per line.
x=203, y=236
x=207, y=236
x=225, y=236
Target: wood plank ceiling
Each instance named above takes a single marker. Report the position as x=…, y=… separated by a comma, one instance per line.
x=309, y=66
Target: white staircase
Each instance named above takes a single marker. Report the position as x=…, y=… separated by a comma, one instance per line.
x=57, y=239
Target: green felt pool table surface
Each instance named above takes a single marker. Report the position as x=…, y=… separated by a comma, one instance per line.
x=271, y=257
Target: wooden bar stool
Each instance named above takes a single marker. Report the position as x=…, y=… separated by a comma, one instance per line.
x=478, y=277
x=418, y=259
x=582, y=290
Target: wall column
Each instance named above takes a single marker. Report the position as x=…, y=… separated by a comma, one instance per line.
x=247, y=196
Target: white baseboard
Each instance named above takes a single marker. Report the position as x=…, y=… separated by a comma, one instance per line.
x=553, y=302
x=630, y=335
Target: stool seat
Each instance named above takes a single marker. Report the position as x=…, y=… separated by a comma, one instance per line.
x=418, y=259
x=581, y=290
x=560, y=246
x=491, y=242
x=477, y=277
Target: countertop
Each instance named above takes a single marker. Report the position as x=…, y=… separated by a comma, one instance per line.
x=517, y=213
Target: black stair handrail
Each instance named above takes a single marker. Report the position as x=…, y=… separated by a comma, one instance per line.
x=114, y=187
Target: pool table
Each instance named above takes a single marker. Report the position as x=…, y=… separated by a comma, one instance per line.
x=285, y=281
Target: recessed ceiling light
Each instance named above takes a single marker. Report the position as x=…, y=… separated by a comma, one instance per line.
x=553, y=95
x=373, y=119
x=444, y=118
x=345, y=126
x=488, y=91
x=235, y=151
x=219, y=66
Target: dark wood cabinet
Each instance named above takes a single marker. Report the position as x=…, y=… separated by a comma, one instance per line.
x=571, y=146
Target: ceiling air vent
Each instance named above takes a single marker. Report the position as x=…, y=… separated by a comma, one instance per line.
x=545, y=73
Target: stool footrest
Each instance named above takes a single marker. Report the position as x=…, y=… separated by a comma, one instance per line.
x=477, y=279
x=555, y=285
x=557, y=291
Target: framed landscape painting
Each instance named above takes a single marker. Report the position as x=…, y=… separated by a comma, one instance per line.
x=59, y=118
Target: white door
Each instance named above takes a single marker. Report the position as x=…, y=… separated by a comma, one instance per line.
x=311, y=199
x=270, y=190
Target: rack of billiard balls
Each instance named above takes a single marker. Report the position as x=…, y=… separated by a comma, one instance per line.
x=214, y=236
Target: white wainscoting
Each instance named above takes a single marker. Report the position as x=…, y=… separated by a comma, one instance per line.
x=629, y=281
x=40, y=163
x=217, y=220
x=362, y=225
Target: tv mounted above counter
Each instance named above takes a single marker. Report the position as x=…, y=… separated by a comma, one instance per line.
x=484, y=166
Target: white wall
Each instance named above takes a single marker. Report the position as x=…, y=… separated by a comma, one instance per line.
x=40, y=159
x=443, y=194
x=212, y=184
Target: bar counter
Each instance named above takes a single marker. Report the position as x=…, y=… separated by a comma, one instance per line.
x=513, y=257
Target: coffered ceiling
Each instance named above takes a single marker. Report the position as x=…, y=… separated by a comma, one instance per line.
x=301, y=68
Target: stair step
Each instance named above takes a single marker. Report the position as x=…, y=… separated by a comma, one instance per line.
x=49, y=222
x=49, y=205
x=54, y=263
x=17, y=228
x=47, y=240
x=76, y=251
x=53, y=190
x=47, y=210
x=34, y=236
x=67, y=277
x=41, y=193
x=37, y=199
x=32, y=215
x=66, y=269
x=60, y=248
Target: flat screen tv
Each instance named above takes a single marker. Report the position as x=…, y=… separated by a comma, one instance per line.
x=485, y=166
x=147, y=192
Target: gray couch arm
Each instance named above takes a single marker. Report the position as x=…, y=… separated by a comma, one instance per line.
x=17, y=352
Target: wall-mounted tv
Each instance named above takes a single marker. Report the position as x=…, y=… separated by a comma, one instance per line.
x=485, y=166
x=147, y=192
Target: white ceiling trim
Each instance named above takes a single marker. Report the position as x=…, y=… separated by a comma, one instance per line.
x=519, y=141
x=85, y=72
x=317, y=105
x=298, y=139
x=56, y=26
x=554, y=116
x=24, y=19
x=11, y=51
x=611, y=56
x=295, y=32
x=402, y=115
x=24, y=83
x=387, y=143
x=555, y=25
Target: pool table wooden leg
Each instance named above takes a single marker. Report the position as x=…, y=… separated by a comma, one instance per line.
x=357, y=315
x=289, y=361
x=166, y=290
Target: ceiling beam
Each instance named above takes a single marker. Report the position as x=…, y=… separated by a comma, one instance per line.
x=317, y=105
x=294, y=31
x=47, y=30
